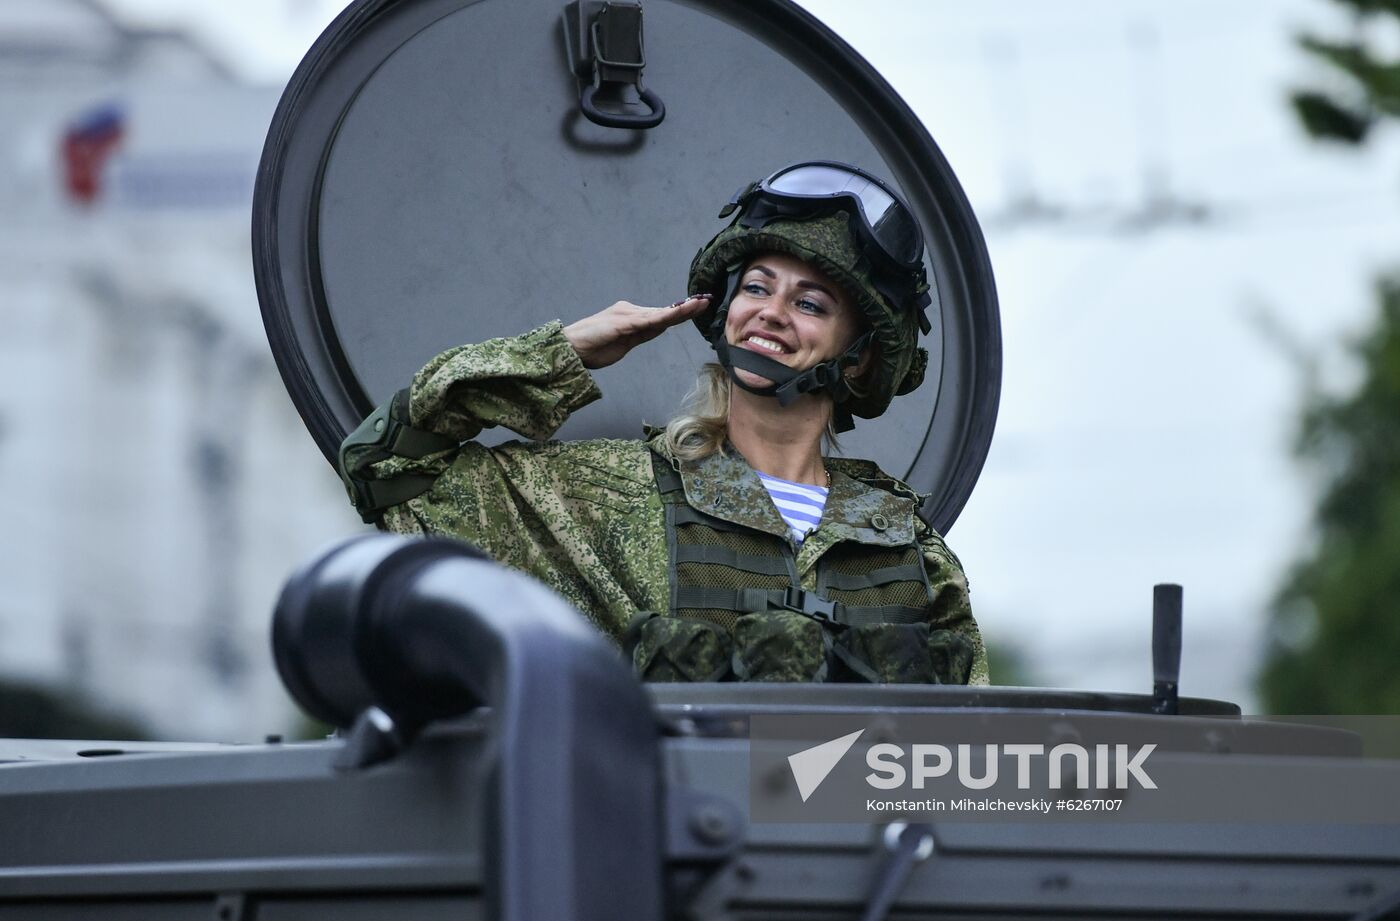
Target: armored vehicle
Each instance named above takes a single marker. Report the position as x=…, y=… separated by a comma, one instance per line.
x=442, y=171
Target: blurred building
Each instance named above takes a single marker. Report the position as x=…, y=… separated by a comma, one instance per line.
x=157, y=482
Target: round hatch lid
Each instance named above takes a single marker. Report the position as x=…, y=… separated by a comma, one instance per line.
x=430, y=178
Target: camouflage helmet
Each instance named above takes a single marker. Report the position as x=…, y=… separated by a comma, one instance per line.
x=829, y=240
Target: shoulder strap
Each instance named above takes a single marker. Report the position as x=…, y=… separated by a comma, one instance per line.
x=668, y=478
x=668, y=483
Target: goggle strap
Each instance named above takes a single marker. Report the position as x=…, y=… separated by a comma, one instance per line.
x=921, y=307
x=738, y=199
x=731, y=288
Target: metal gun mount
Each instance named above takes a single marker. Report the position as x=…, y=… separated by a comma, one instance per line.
x=501, y=762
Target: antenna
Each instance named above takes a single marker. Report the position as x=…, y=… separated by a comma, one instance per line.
x=1166, y=646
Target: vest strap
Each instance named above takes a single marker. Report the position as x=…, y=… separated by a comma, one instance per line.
x=904, y=572
x=796, y=599
x=855, y=664
x=668, y=480
x=858, y=615
x=731, y=599
x=748, y=562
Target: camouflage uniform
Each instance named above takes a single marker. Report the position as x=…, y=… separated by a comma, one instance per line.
x=587, y=517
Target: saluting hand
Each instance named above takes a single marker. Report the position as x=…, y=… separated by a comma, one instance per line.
x=609, y=334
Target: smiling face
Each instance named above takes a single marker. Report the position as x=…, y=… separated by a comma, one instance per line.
x=789, y=311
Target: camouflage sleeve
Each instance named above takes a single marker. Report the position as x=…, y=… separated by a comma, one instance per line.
x=529, y=384
x=952, y=609
x=583, y=517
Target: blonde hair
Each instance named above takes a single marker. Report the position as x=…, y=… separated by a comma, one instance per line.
x=703, y=423
x=702, y=426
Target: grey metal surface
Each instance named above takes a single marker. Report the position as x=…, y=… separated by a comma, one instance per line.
x=1058, y=870
x=429, y=181
x=258, y=818
x=756, y=696
x=275, y=830
x=72, y=749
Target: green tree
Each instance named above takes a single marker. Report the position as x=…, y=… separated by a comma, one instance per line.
x=1368, y=89
x=1334, y=629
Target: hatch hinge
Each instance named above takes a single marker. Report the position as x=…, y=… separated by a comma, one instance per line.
x=607, y=54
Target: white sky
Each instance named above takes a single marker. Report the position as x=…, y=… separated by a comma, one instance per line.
x=1146, y=412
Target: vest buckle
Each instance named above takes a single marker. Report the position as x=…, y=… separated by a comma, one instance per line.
x=810, y=604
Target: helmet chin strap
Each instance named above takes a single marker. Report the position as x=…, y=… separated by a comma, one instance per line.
x=788, y=383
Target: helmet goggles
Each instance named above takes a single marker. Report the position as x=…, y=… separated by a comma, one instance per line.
x=883, y=224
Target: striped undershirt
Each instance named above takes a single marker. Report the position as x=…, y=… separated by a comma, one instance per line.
x=799, y=504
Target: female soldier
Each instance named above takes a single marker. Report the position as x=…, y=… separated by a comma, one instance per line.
x=725, y=545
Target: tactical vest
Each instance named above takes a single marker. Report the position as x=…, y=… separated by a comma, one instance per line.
x=738, y=608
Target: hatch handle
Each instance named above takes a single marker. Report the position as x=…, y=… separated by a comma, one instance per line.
x=908, y=845
x=606, y=50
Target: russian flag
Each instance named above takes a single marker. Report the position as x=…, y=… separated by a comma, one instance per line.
x=87, y=144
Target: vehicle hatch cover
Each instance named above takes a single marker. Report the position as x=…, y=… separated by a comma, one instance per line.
x=429, y=179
